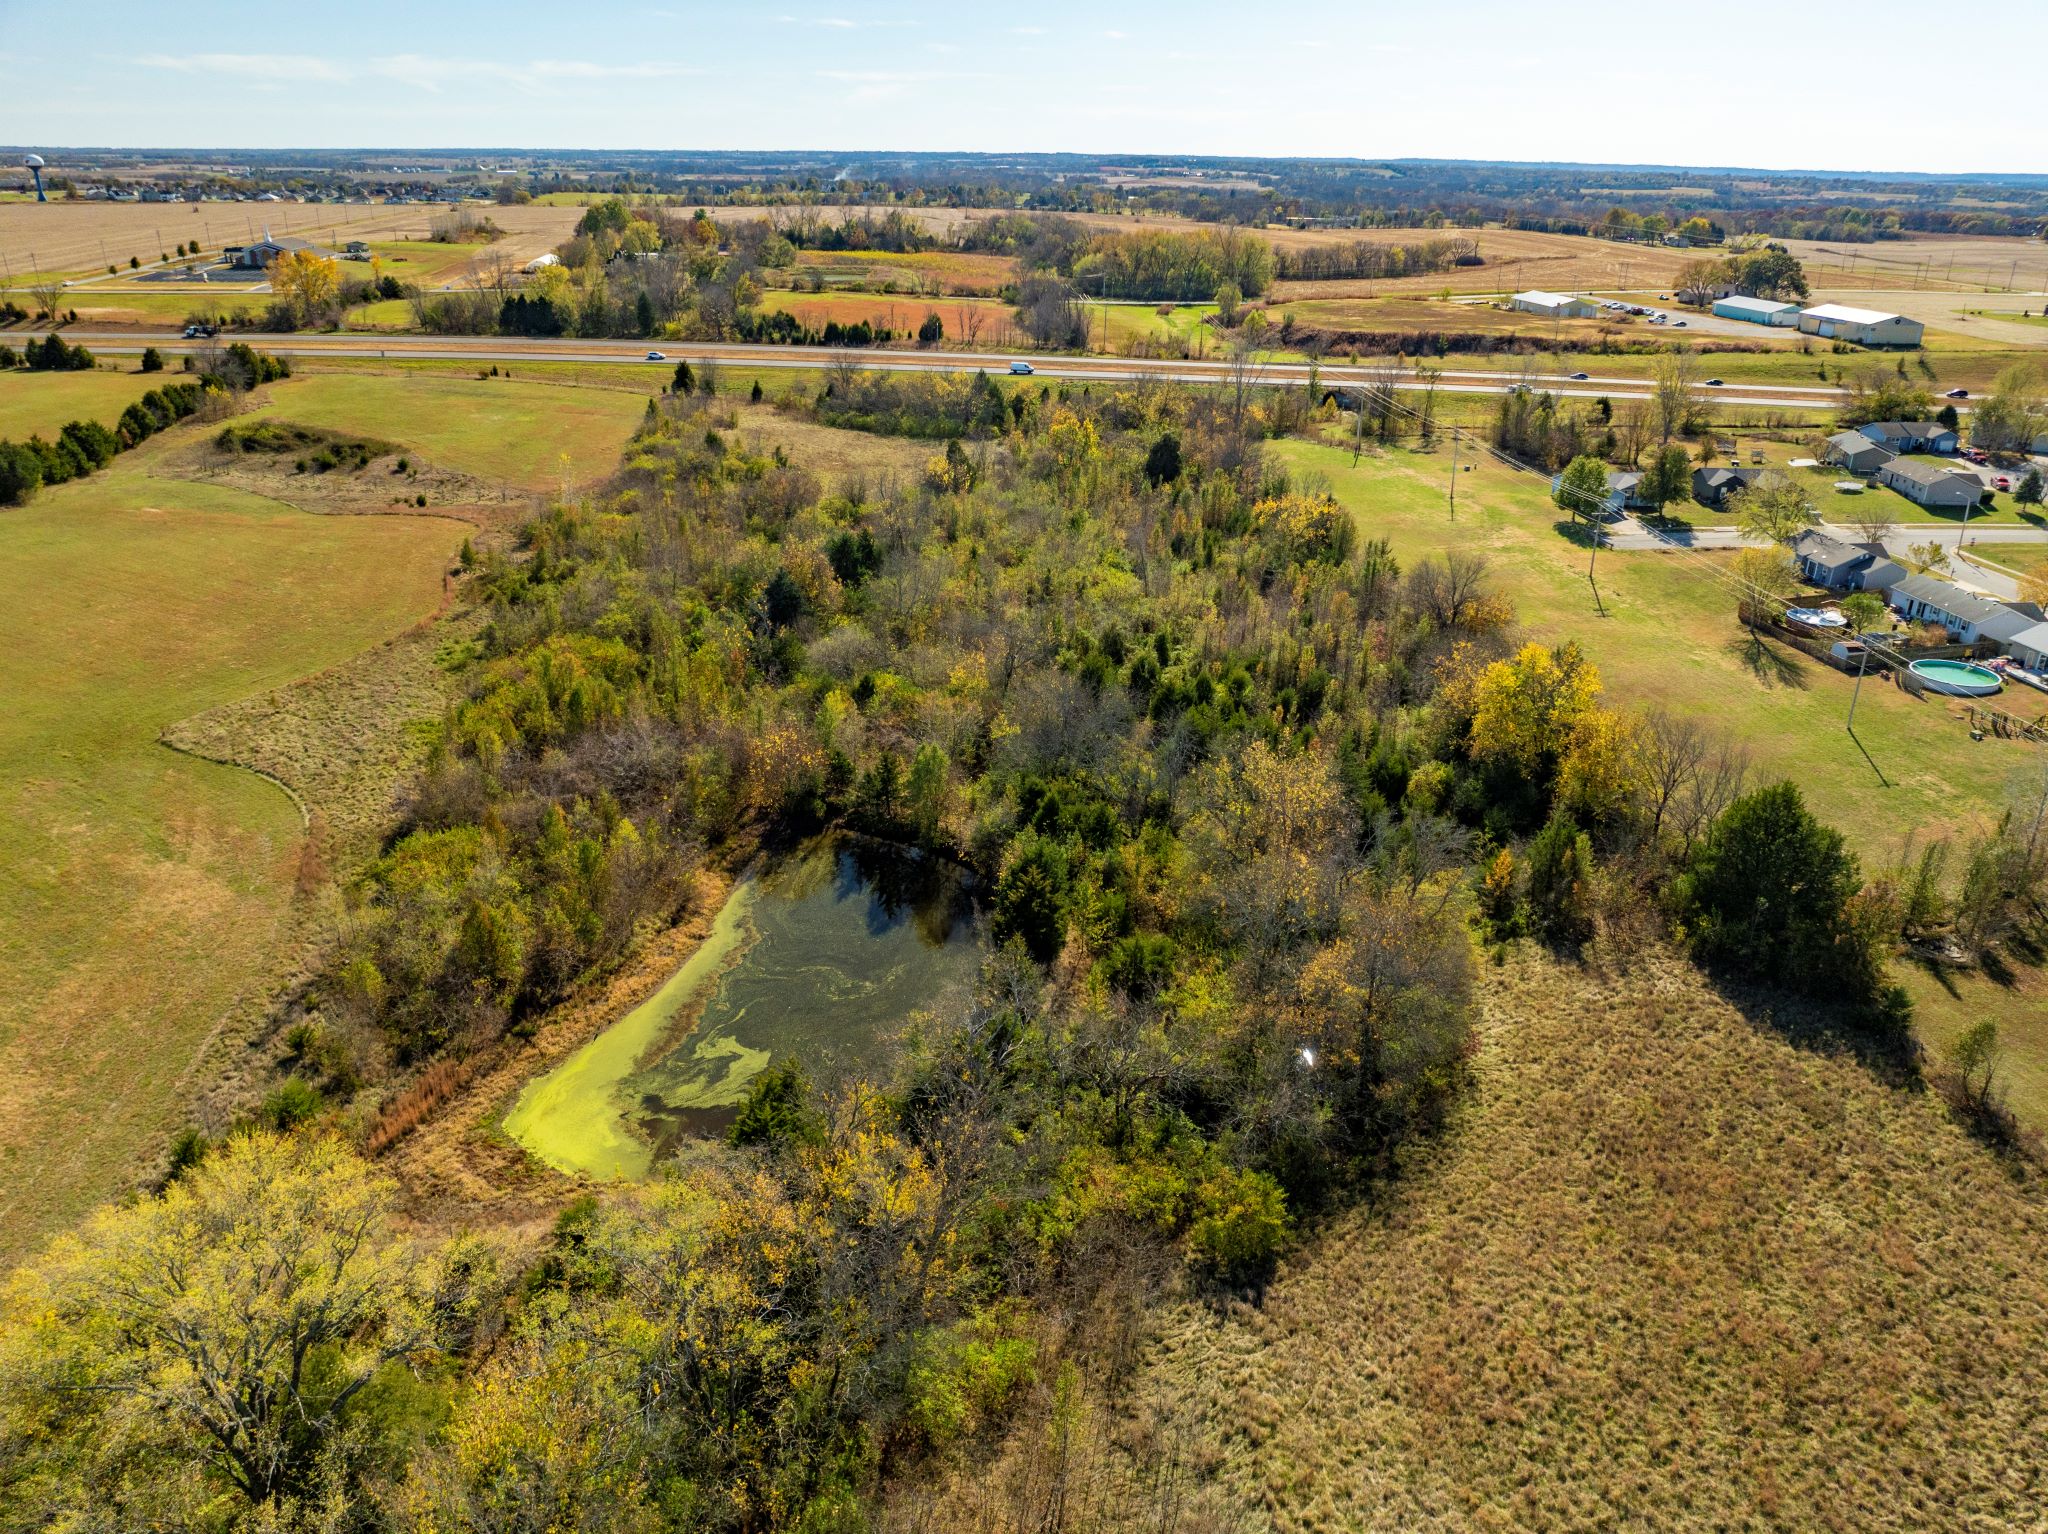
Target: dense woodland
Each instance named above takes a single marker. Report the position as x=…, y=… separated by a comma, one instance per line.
x=1249, y=801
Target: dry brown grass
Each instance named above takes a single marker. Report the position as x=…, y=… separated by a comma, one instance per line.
x=1669, y=1271
x=87, y=236
x=456, y=1170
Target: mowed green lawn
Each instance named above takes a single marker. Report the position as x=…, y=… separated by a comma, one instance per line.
x=140, y=890
x=1668, y=637
x=505, y=430
x=40, y=403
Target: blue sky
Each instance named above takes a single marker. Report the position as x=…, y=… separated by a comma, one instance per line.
x=1583, y=79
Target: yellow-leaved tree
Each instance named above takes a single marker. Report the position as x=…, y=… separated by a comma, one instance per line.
x=1525, y=710
x=213, y=1341
x=306, y=284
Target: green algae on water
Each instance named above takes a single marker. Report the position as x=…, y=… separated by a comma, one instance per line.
x=571, y=1117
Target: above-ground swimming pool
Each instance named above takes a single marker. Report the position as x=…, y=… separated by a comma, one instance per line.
x=1957, y=677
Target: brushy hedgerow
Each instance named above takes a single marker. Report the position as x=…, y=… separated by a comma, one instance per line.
x=1667, y=1270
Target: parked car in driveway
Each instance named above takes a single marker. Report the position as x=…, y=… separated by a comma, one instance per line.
x=2001, y=482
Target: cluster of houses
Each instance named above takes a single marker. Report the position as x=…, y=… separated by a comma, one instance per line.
x=1878, y=452
x=2015, y=629
x=1832, y=322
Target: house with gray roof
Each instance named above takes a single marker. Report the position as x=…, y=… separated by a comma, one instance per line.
x=1711, y=486
x=1843, y=566
x=1931, y=484
x=1911, y=436
x=1967, y=616
x=1857, y=453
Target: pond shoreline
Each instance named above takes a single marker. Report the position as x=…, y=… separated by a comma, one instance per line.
x=460, y=1167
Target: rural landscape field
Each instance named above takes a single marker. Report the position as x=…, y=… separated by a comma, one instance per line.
x=1308, y=832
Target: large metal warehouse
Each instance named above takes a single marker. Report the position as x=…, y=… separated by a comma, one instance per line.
x=1757, y=311
x=1568, y=306
x=1866, y=327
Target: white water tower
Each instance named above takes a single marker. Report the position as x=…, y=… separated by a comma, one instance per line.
x=35, y=168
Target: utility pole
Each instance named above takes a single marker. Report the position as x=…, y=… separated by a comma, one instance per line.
x=1863, y=660
x=1454, y=473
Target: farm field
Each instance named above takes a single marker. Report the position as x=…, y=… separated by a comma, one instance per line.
x=511, y=431
x=1941, y=263
x=40, y=403
x=1667, y=1268
x=69, y=238
x=1669, y=638
x=141, y=890
x=953, y=272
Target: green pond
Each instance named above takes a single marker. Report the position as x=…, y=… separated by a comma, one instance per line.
x=824, y=955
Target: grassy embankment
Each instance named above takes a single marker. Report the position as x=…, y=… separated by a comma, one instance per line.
x=141, y=890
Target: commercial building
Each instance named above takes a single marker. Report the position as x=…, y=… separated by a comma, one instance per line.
x=1866, y=327
x=1756, y=311
x=1554, y=306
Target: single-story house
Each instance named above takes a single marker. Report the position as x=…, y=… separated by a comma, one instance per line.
x=1911, y=436
x=1554, y=306
x=1969, y=617
x=1757, y=311
x=1931, y=484
x=1857, y=453
x=1866, y=327
x=1624, y=492
x=1843, y=566
x=1713, y=486
x=2030, y=647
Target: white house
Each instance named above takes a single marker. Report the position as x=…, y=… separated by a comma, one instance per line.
x=1554, y=306
x=1866, y=327
x=1967, y=616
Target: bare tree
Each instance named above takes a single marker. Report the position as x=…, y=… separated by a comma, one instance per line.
x=967, y=322
x=48, y=294
x=1673, y=397
x=1690, y=774
x=1870, y=519
x=1242, y=375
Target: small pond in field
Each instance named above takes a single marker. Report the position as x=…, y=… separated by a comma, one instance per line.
x=823, y=955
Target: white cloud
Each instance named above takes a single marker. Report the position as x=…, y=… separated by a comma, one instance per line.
x=255, y=66
x=420, y=71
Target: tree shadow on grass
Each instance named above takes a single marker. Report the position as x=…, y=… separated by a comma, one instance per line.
x=1768, y=663
x=1822, y=1028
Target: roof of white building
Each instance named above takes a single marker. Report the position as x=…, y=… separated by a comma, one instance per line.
x=1849, y=315
x=1538, y=296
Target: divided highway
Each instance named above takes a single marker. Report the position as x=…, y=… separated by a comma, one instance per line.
x=1091, y=368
